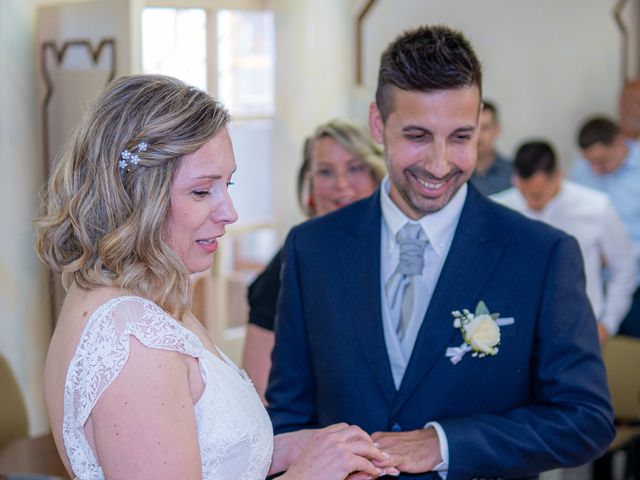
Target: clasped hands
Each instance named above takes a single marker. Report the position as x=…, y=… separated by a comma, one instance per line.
x=342, y=451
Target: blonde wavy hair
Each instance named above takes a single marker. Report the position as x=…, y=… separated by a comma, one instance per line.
x=354, y=139
x=99, y=227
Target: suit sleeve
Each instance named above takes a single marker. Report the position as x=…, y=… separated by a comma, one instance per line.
x=570, y=421
x=291, y=389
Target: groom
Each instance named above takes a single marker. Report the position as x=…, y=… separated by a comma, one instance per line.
x=376, y=323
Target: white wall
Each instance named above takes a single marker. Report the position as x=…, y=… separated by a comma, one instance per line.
x=313, y=80
x=24, y=321
x=548, y=64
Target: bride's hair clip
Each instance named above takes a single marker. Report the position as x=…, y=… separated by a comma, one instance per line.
x=129, y=159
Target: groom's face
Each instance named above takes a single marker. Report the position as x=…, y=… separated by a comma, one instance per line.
x=431, y=144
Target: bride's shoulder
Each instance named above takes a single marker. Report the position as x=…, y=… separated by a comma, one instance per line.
x=113, y=306
x=127, y=311
x=80, y=305
x=108, y=315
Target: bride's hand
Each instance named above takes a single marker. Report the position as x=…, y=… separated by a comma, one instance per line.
x=335, y=452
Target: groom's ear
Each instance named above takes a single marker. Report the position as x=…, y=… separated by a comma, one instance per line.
x=376, y=124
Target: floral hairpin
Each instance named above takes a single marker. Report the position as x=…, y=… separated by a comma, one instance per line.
x=129, y=159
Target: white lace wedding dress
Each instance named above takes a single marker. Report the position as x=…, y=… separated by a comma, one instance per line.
x=234, y=431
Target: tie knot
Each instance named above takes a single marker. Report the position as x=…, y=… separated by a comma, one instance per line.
x=412, y=241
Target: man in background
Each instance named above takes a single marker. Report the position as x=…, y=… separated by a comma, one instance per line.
x=610, y=163
x=493, y=171
x=542, y=193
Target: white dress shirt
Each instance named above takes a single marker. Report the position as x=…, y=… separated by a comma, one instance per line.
x=589, y=216
x=440, y=228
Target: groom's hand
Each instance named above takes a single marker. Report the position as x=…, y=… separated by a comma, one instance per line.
x=416, y=451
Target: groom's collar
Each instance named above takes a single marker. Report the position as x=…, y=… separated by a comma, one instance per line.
x=439, y=226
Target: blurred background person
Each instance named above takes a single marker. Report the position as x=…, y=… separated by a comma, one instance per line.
x=493, y=171
x=542, y=193
x=611, y=163
x=341, y=164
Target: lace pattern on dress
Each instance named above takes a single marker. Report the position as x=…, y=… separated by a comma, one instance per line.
x=234, y=431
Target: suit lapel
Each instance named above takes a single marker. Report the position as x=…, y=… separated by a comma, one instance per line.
x=473, y=255
x=360, y=264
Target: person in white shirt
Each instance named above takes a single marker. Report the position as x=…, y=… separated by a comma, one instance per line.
x=542, y=193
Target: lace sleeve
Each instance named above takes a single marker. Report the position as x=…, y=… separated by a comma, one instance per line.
x=101, y=354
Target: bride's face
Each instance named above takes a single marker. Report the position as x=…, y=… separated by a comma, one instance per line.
x=200, y=203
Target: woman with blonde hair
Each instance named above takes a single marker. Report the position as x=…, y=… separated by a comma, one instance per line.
x=340, y=165
x=134, y=385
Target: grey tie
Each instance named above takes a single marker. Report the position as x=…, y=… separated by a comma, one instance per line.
x=400, y=287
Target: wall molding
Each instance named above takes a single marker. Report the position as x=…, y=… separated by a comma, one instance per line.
x=359, y=41
x=56, y=292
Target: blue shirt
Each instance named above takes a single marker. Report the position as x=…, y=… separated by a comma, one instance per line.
x=623, y=187
x=496, y=179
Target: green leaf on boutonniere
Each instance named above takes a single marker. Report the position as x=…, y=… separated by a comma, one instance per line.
x=481, y=309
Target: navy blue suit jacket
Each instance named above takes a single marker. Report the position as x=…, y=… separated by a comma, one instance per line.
x=542, y=402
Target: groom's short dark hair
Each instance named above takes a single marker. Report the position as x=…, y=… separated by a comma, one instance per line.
x=426, y=59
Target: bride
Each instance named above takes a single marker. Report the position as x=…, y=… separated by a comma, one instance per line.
x=135, y=388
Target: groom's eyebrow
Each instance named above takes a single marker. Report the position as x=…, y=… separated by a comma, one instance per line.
x=465, y=129
x=417, y=128
x=413, y=128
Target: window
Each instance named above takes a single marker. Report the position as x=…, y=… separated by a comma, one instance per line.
x=245, y=62
x=240, y=59
x=174, y=43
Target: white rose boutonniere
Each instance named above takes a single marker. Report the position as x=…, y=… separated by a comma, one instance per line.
x=480, y=331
